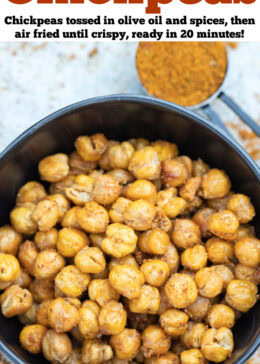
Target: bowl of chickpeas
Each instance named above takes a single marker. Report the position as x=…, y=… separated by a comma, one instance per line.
x=128, y=234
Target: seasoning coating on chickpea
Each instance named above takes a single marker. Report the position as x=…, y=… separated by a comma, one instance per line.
x=42, y=313
x=31, y=338
x=174, y=173
x=224, y=224
x=54, y=167
x=112, y=318
x=241, y=205
x=139, y=215
x=155, y=271
x=118, y=209
x=145, y=164
x=192, y=337
x=42, y=289
x=215, y=184
x=31, y=192
x=121, y=176
x=119, y=155
x=165, y=150
x=9, y=240
x=199, y=309
x=225, y=273
x=201, y=218
x=90, y=260
x=46, y=239
x=80, y=192
x=194, y=258
x=62, y=315
x=56, y=347
x=147, y=302
x=241, y=295
x=27, y=255
x=45, y=215
x=141, y=189
x=154, y=242
x=71, y=281
x=106, y=190
x=247, y=251
x=126, y=344
x=15, y=301
x=171, y=257
x=48, y=263
x=190, y=189
x=21, y=220
x=9, y=268
x=221, y=315
x=88, y=319
x=185, y=233
x=71, y=241
x=243, y=272
x=168, y=358
x=161, y=221
x=174, y=322
x=79, y=166
x=90, y=148
x=155, y=341
x=193, y=356
x=93, y=218
x=181, y=290
x=63, y=204
x=220, y=251
x=217, y=344
x=102, y=292
x=95, y=351
x=209, y=282
x=24, y=279
x=29, y=317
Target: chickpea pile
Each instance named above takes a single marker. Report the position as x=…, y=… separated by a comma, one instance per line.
x=134, y=255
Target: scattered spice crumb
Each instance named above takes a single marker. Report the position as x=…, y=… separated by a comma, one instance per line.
x=93, y=52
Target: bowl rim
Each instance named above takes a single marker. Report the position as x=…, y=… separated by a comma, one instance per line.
x=137, y=99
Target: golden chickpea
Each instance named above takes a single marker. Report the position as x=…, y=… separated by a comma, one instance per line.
x=145, y=164
x=95, y=351
x=24, y=280
x=199, y=168
x=88, y=319
x=241, y=295
x=4, y=285
x=147, y=302
x=174, y=322
x=199, y=309
x=54, y=167
x=112, y=318
x=193, y=356
x=62, y=315
x=121, y=176
x=42, y=289
x=165, y=150
x=164, y=303
x=181, y=290
x=170, y=203
x=46, y=239
x=63, y=205
x=247, y=251
x=31, y=338
x=225, y=273
x=31, y=192
x=192, y=337
x=79, y=166
x=117, y=210
x=219, y=204
x=96, y=173
x=168, y=358
x=155, y=341
x=70, y=219
x=128, y=259
x=161, y=221
x=71, y=281
x=220, y=251
x=217, y=344
x=126, y=344
x=119, y=155
x=21, y=219
x=139, y=143
x=190, y=189
x=185, y=233
x=215, y=184
x=243, y=272
x=93, y=218
x=75, y=357
x=224, y=224
x=42, y=313
x=155, y=272
x=48, y=264
x=80, y=192
x=139, y=215
x=60, y=186
x=45, y=215
x=27, y=255
x=104, y=162
x=15, y=301
x=201, y=218
x=126, y=280
x=106, y=190
x=96, y=239
x=90, y=260
x=171, y=257
x=141, y=189
x=9, y=240
x=154, y=242
x=221, y=315
x=102, y=292
x=209, y=282
x=90, y=148
x=71, y=241
x=9, y=268
x=194, y=258
x=29, y=317
x=56, y=347
x=241, y=206
x=245, y=230
x=174, y=173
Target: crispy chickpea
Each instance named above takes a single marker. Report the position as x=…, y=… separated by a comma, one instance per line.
x=90, y=260
x=42, y=289
x=106, y=190
x=139, y=321
x=29, y=317
x=88, y=319
x=194, y=258
x=155, y=271
x=174, y=322
x=139, y=143
x=27, y=255
x=102, y=292
x=80, y=192
x=71, y=241
x=112, y=318
x=209, y=282
x=75, y=357
x=103, y=161
x=171, y=257
x=15, y=301
x=42, y=313
x=245, y=230
x=31, y=192
x=224, y=224
x=24, y=280
x=215, y=184
x=181, y=290
x=165, y=150
x=241, y=295
x=62, y=315
x=155, y=341
x=46, y=239
x=192, y=337
x=95, y=351
x=178, y=347
x=193, y=356
x=121, y=176
x=219, y=204
x=168, y=358
x=220, y=251
x=93, y=218
x=70, y=219
x=247, y=251
x=170, y=203
x=201, y=218
x=126, y=344
x=63, y=205
x=141, y=189
x=102, y=275
x=145, y=164
x=190, y=189
x=185, y=233
x=225, y=273
x=9, y=268
x=199, y=309
x=56, y=347
x=117, y=210
x=54, y=167
x=199, y=168
x=60, y=186
x=48, y=264
x=120, y=241
x=139, y=215
x=221, y=315
x=9, y=240
x=31, y=338
x=126, y=280
x=4, y=285
x=161, y=221
x=174, y=173
x=45, y=214
x=147, y=302
x=90, y=148
x=128, y=259
x=241, y=205
x=164, y=303
x=217, y=344
x=243, y=272
x=154, y=242
x=71, y=281
x=21, y=219
x=119, y=155
x=96, y=239
x=79, y=166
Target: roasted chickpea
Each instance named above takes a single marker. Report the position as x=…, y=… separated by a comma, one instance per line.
x=62, y=315
x=164, y=303
x=70, y=219
x=75, y=357
x=174, y=173
x=221, y=315
x=168, y=358
x=90, y=260
x=181, y=290
x=241, y=295
x=63, y=205
x=217, y=344
x=54, y=167
x=27, y=255
x=145, y=164
x=88, y=319
x=45, y=214
x=141, y=189
x=15, y=301
x=199, y=168
x=48, y=263
x=193, y=356
x=90, y=148
x=219, y=204
x=139, y=143
x=201, y=218
x=243, y=272
x=42, y=313
x=165, y=150
x=161, y=221
x=9, y=240
x=93, y=218
x=185, y=233
x=170, y=203
x=225, y=273
x=21, y=219
x=178, y=347
x=56, y=347
x=126, y=280
x=24, y=280
x=80, y=192
x=121, y=176
x=31, y=338
x=171, y=257
x=106, y=190
x=155, y=271
x=147, y=302
x=126, y=344
x=215, y=184
x=102, y=292
x=46, y=239
x=247, y=251
x=128, y=259
x=103, y=161
x=112, y=318
x=42, y=289
x=96, y=239
x=95, y=351
x=120, y=241
x=117, y=210
x=209, y=282
x=192, y=337
x=194, y=258
x=71, y=241
x=31, y=192
x=224, y=224
x=155, y=341
x=190, y=189
x=139, y=215
x=241, y=206
x=174, y=322
x=79, y=166
x=60, y=186
x=119, y=155
x=29, y=317
x=154, y=242
x=199, y=309
x=220, y=251
x=245, y=230
x=71, y=281
x=9, y=268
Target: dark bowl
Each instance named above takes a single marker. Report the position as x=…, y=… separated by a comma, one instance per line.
x=124, y=117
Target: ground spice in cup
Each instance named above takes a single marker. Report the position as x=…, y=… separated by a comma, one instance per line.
x=186, y=73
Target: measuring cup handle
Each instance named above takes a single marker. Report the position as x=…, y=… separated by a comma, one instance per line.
x=241, y=113
x=215, y=118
